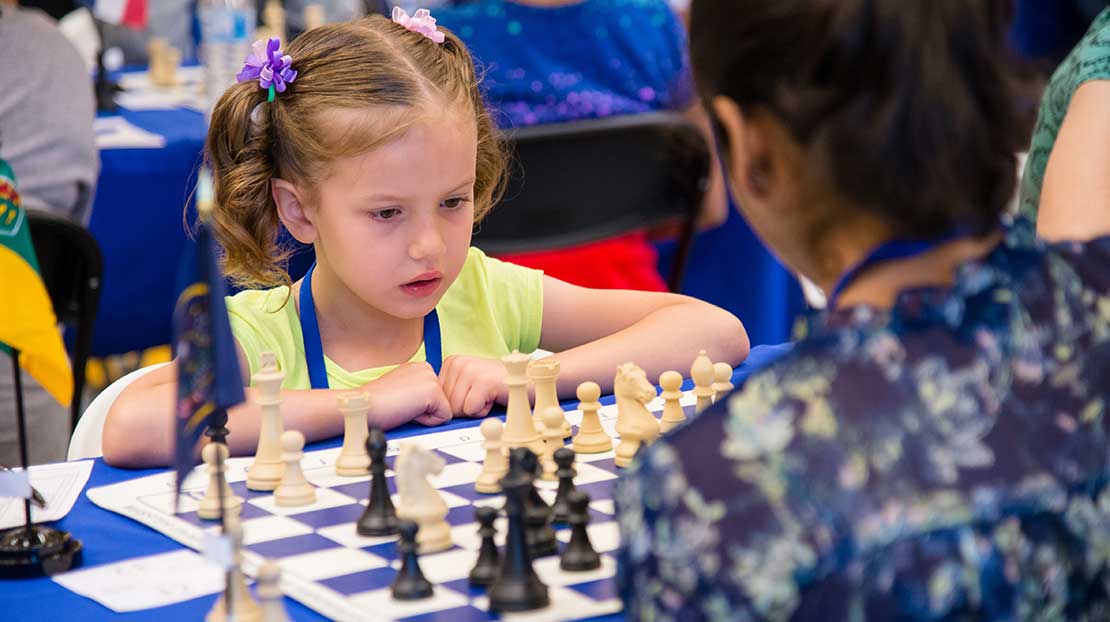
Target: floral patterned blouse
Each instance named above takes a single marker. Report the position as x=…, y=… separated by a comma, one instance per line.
x=944, y=460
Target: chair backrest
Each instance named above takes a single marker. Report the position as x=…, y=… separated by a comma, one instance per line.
x=85, y=442
x=579, y=182
x=71, y=268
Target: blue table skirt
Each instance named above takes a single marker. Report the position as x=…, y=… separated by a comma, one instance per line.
x=110, y=538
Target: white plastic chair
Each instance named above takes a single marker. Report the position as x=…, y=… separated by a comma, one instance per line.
x=90, y=428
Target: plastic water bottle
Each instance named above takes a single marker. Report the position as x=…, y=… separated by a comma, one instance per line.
x=227, y=32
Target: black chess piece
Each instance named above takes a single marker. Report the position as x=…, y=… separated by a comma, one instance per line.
x=380, y=517
x=537, y=515
x=485, y=570
x=516, y=587
x=579, y=553
x=564, y=458
x=410, y=583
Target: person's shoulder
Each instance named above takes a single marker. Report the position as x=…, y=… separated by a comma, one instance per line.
x=261, y=302
x=33, y=24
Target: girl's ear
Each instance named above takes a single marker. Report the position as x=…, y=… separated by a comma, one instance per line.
x=292, y=211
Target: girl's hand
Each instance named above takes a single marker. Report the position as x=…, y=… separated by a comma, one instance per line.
x=411, y=392
x=473, y=384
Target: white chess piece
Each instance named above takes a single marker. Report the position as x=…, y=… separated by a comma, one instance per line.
x=209, y=507
x=553, y=418
x=273, y=16
x=294, y=489
x=591, y=437
x=268, y=467
x=635, y=423
x=269, y=592
x=314, y=16
x=722, y=380
x=702, y=373
x=520, y=431
x=495, y=465
x=418, y=500
x=243, y=608
x=671, y=381
x=544, y=375
x=353, y=459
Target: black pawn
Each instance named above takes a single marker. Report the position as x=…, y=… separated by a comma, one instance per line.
x=485, y=570
x=380, y=518
x=564, y=458
x=537, y=514
x=410, y=583
x=579, y=553
x=516, y=587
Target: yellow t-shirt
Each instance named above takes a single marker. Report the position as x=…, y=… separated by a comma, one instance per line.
x=492, y=309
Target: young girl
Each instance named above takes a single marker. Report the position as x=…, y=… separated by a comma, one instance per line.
x=376, y=150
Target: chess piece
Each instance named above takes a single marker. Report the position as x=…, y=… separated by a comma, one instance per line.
x=410, y=583
x=560, y=510
x=215, y=457
x=495, y=465
x=268, y=467
x=702, y=374
x=314, y=16
x=591, y=437
x=418, y=500
x=242, y=606
x=269, y=592
x=485, y=570
x=294, y=489
x=353, y=460
x=516, y=587
x=379, y=518
x=722, y=380
x=579, y=553
x=635, y=423
x=553, y=417
x=544, y=374
x=539, y=535
x=519, y=431
x=273, y=15
x=671, y=382
x=164, y=62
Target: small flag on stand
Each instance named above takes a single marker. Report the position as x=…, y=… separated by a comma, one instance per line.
x=208, y=376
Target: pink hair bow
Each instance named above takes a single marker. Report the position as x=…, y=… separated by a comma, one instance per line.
x=421, y=21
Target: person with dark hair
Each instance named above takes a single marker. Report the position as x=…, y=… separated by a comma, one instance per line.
x=935, y=445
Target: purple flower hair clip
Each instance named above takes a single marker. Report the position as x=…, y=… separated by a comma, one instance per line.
x=269, y=66
x=421, y=22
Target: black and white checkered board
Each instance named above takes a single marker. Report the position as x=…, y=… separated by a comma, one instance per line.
x=328, y=567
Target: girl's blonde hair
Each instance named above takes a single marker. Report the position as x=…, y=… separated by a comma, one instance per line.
x=371, y=64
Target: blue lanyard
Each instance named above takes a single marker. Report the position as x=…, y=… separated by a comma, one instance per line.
x=314, y=347
x=893, y=249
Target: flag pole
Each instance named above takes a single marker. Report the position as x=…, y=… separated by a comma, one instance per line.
x=22, y=430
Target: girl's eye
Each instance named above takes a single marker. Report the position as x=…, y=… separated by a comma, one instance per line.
x=386, y=214
x=455, y=202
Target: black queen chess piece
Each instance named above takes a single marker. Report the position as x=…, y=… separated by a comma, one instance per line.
x=33, y=550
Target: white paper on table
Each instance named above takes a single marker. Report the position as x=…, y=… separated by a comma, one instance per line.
x=59, y=483
x=158, y=99
x=141, y=79
x=146, y=582
x=118, y=133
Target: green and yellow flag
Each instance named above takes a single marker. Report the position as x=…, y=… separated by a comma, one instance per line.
x=28, y=323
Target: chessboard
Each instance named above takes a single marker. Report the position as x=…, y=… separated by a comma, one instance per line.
x=343, y=576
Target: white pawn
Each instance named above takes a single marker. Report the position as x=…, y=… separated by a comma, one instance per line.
x=269, y=593
x=702, y=373
x=495, y=466
x=294, y=489
x=591, y=437
x=722, y=380
x=671, y=382
x=553, y=419
x=353, y=459
x=209, y=507
x=243, y=608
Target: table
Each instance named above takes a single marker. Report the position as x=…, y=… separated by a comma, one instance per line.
x=110, y=538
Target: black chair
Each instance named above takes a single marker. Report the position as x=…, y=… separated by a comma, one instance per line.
x=71, y=268
x=574, y=183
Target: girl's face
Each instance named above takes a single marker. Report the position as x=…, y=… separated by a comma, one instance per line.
x=394, y=224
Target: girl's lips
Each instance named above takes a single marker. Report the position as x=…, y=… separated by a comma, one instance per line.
x=422, y=287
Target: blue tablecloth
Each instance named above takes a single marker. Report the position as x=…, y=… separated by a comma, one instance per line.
x=110, y=538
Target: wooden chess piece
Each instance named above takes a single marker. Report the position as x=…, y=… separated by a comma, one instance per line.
x=495, y=466
x=544, y=375
x=671, y=382
x=519, y=431
x=294, y=489
x=635, y=423
x=268, y=467
x=353, y=461
x=553, y=440
x=314, y=16
x=722, y=381
x=702, y=374
x=418, y=500
x=591, y=437
x=269, y=592
x=242, y=606
x=215, y=456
